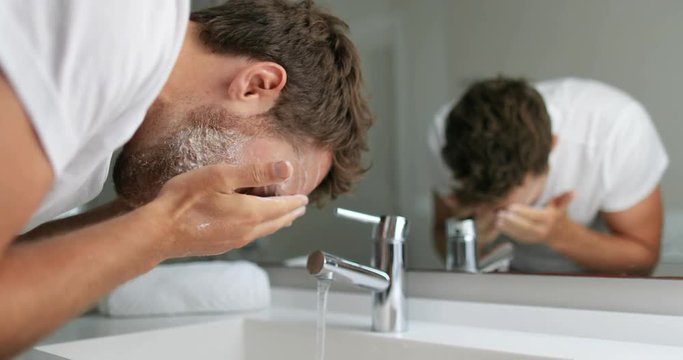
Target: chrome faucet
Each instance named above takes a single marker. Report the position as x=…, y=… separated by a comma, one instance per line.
x=386, y=277
x=462, y=253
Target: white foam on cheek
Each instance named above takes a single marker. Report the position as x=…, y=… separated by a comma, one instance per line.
x=202, y=146
x=240, y=156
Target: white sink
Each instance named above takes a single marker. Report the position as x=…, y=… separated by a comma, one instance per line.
x=298, y=342
x=251, y=339
x=437, y=330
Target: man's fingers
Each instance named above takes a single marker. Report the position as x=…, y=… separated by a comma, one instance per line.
x=271, y=208
x=253, y=175
x=515, y=226
x=532, y=214
x=274, y=225
x=562, y=201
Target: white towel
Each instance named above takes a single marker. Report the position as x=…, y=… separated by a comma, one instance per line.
x=191, y=288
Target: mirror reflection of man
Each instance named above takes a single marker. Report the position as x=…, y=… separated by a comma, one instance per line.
x=253, y=97
x=569, y=170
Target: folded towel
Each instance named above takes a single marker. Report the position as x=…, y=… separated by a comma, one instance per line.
x=191, y=288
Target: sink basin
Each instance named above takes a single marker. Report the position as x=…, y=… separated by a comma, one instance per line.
x=437, y=330
x=298, y=342
x=251, y=339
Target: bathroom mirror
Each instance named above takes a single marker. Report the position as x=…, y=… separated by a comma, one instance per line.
x=419, y=55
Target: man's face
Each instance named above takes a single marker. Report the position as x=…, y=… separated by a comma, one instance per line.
x=176, y=140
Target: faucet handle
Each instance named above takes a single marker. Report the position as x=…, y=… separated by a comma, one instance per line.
x=387, y=228
x=358, y=216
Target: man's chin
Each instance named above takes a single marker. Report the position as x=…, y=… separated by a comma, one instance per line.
x=133, y=192
x=138, y=178
x=136, y=200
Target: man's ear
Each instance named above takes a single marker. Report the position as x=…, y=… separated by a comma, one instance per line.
x=255, y=89
x=554, y=143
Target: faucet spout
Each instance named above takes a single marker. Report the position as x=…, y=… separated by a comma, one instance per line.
x=327, y=266
x=386, y=276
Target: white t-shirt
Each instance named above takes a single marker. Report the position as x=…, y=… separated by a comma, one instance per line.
x=608, y=152
x=86, y=72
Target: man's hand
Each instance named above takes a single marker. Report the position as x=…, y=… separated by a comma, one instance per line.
x=207, y=215
x=535, y=226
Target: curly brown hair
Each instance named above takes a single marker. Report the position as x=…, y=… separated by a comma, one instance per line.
x=323, y=99
x=497, y=133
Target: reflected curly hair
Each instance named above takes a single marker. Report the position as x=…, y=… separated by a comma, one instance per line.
x=497, y=133
x=323, y=99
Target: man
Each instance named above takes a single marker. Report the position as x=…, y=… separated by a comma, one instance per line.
x=547, y=166
x=255, y=97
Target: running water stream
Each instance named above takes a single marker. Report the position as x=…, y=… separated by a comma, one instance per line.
x=323, y=291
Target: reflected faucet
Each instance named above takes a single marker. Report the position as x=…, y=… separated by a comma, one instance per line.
x=462, y=250
x=386, y=276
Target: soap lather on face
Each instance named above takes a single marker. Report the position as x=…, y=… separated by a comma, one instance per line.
x=141, y=171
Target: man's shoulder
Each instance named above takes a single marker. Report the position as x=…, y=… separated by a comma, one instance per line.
x=571, y=89
x=589, y=111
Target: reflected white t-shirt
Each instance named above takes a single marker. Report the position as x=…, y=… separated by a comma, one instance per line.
x=86, y=72
x=608, y=152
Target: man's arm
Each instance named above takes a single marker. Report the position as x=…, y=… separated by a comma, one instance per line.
x=44, y=283
x=631, y=248
x=27, y=175
x=47, y=282
x=72, y=223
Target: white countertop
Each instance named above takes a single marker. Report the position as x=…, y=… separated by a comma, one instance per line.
x=533, y=331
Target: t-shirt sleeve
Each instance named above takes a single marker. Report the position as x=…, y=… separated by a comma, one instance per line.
x=634, y=162
x=76, y=65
